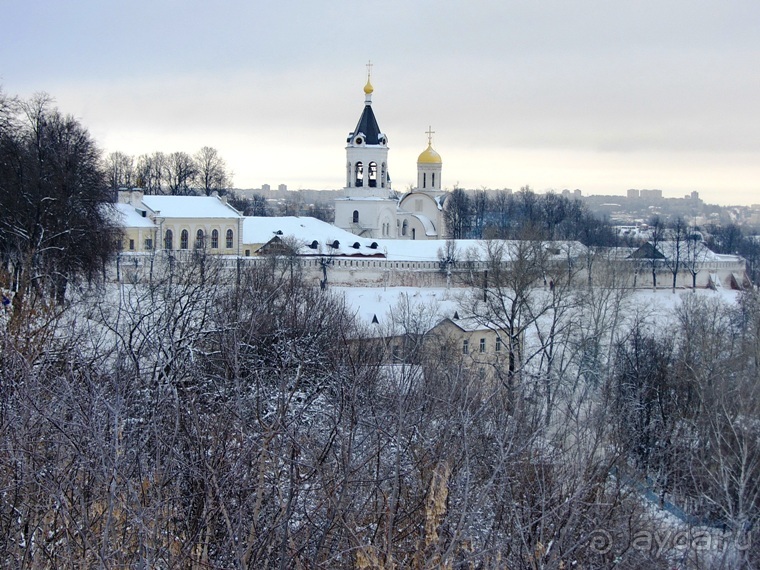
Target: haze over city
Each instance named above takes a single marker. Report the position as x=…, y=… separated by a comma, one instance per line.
x=591, y=95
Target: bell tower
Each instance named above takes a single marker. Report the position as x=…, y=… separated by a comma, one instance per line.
x=367, y=153
x=367, y=207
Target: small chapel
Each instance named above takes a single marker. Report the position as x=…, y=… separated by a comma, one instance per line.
x=369, y=207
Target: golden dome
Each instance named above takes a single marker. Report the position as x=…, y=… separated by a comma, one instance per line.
x=368, y=89
x=429, y=156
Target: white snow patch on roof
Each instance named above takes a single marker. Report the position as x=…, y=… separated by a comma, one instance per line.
x=467, y=249
x=427, y=223
x=190, y=207
x=304, y=231
x=126, y=216
x=368, y=302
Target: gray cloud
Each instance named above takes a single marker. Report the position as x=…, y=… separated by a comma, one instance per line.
x=663, y=87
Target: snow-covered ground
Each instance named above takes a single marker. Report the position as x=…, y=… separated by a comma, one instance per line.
x=370, y=302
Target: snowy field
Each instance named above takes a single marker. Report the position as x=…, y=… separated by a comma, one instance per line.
x=368, y=302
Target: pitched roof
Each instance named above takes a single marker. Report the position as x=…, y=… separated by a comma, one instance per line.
x=466, y=324
x=470, y=249
x=304, y=232
x=670, y=249
x=190, y=207
x=126, y=216
x=367, y=125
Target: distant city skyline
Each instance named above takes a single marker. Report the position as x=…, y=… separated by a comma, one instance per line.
x=555, y=95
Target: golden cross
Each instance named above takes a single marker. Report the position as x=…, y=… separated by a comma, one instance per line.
x=369, y=69
x=430, y=132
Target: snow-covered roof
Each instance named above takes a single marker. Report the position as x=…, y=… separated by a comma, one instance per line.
x=427, y=223
x=468, y=249
x=469, y=324
x=616, y=253
x=127, y=216
x=363, y=198
x=190, y=207
x=304, y=231
x=671, y=249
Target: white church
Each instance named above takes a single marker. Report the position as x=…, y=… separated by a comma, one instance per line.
x=369, y=207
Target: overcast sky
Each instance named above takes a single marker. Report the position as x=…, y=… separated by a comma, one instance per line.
x=597, y=95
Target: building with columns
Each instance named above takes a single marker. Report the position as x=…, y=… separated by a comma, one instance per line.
x=369, y=207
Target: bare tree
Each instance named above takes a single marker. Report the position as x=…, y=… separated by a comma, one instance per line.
x=457, y=214
x=213, y=175
x=180, y=174
x=151, y=172
x=120, y=169
x=695, y=253
x=676, y=247
x=506, y=297
x=656, y=235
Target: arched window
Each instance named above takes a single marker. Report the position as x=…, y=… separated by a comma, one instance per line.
x=372, y=174
x=214, y=239
x=199, y=239
x=356, y=217
x=414, y=233
x=404, y=227
x=432, y=175
x=229, y=239
x=168, y=240
x=359, y=174
x=382, y=176
x=424, y=179
x=183, y=239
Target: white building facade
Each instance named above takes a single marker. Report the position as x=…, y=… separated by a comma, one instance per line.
x=369, y=207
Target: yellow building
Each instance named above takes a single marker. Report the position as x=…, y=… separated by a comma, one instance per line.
x=138, y=230
x=483, y=348
x=176, y=223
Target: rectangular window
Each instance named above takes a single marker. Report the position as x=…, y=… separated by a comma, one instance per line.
x=465, y=347
x=482, y=345
x=148, y=244
x=498, y=344
x=131, y=245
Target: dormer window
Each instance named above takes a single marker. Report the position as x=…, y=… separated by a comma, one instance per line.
x=335, y=244
x=356, y=245
x=314, y=244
